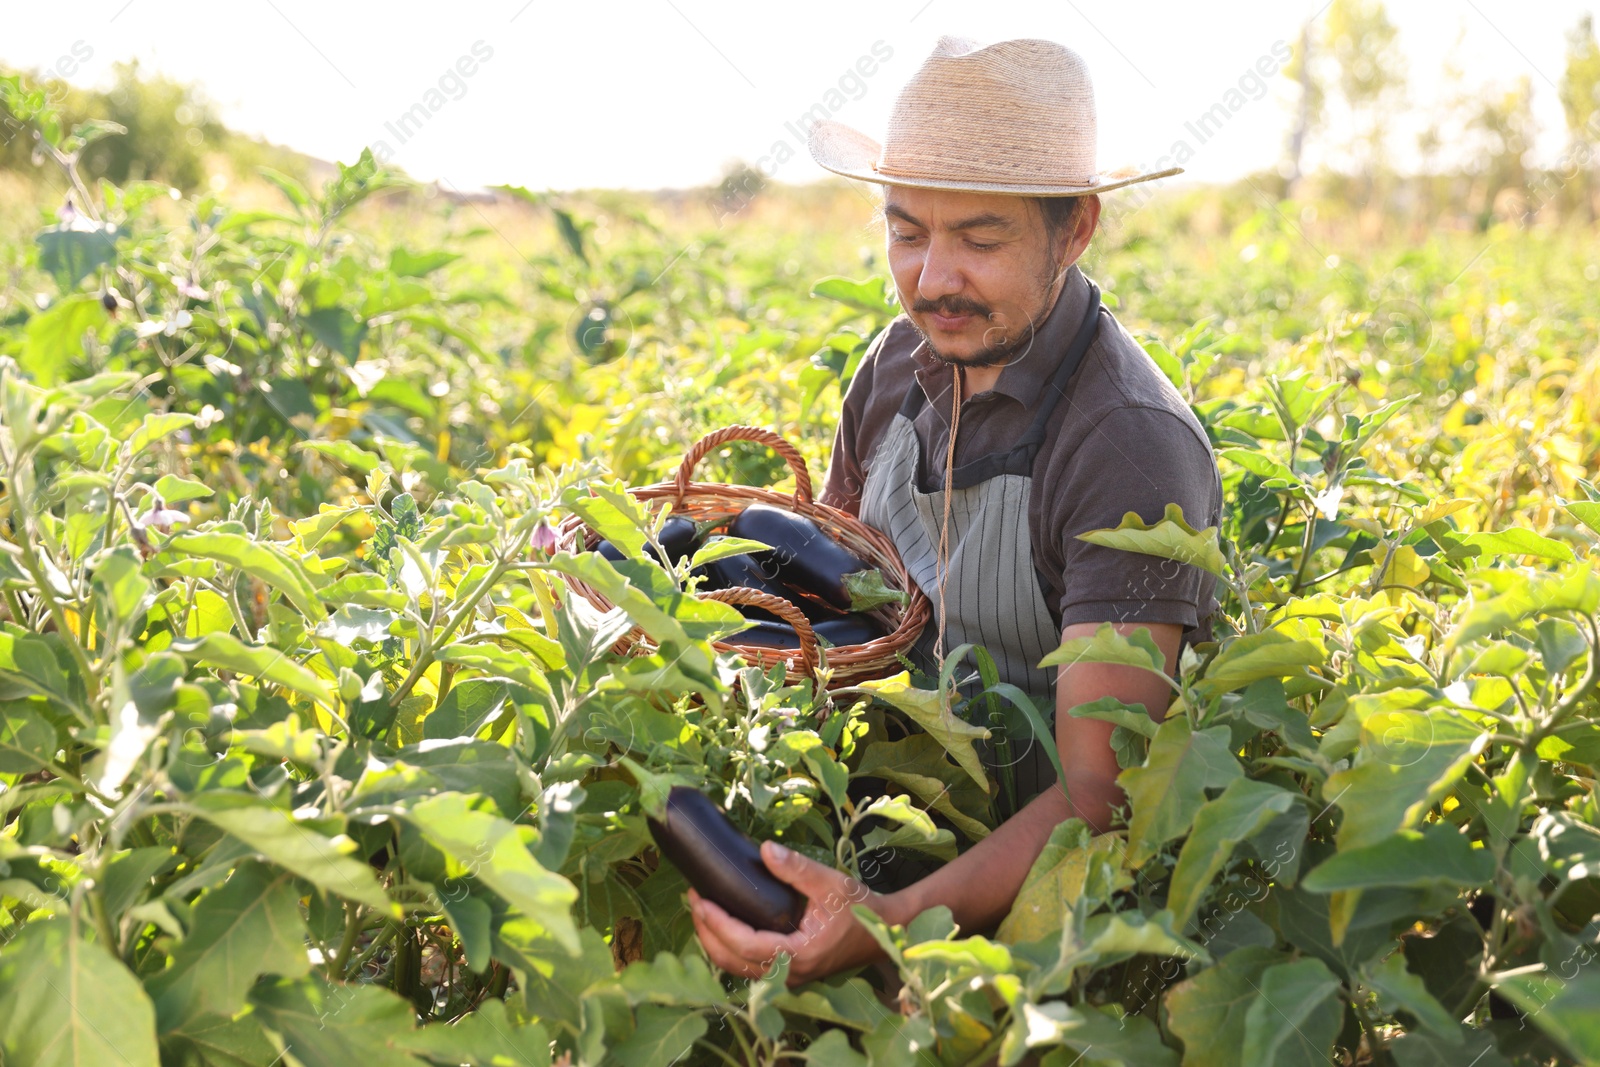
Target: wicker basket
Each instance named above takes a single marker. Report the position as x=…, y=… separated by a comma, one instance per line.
x=704, y=502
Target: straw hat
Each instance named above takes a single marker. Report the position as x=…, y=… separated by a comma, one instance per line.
x=1013, y=117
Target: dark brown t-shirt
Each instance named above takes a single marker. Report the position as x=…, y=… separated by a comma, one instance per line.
x=1120, y=439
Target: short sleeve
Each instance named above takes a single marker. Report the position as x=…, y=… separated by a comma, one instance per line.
x=846, y=475
x=1137, y=459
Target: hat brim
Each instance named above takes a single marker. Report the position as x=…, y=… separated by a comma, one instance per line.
x=853, y=154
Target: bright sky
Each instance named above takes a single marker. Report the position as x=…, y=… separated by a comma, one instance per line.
x=657, y=93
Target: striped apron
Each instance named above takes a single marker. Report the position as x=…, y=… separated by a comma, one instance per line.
x=992, y=592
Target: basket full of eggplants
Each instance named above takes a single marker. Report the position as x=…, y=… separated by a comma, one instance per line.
x=823, y=588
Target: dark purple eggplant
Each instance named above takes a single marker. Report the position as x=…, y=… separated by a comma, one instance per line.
x=849, y=630
x=765, y=633
x=839, y=630
x=678, y=537
x=745, y=571
x=722, y=864
x=802, y=555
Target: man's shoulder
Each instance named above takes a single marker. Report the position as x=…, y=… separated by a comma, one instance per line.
x=1118, y=380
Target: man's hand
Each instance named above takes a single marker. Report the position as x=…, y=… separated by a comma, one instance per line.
x=978, y=886
x=829, y=939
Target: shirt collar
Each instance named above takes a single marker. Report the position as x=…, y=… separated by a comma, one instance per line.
x=1025, y=379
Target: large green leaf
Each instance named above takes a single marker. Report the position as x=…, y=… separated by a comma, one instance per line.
x=1476, y=1049
x=54, y=338
x=1503, y=598
x=1170, y=538
x=338, y=329
x=1109, y=709
x=249, y=927
x=1440, y=855
x=1137, y=649
x=70, y=1003
x=1512, y=542
x=1568, y=1009
x=1168, y=791
x=293, y=845
x=1408, y=762
x=1585, y=511
x=1086, y=1036
x=1254, y=657
x=614, y=515
x=256, y=661
x=1110, y=938
x=660, y=1037
x=74, y=250
x=833, y=1048
x=1243, y=808
x=684, y=981
x=918, y=764
x=216, y=1041
x=337, y=1025
x=153, y=428
x=872, y=296
x=267, y=562
x=1055, y=882
x=31, y=663
x=120, y=584
x=651, y=599
x=930, y=709
x=851, y=1003
x=175, y=490
x=1294, y=1018
x=1559, y=845
x=1400, y=990
x=555, y=985
x=491, y=849
x=404, y=263
x=488, y=1037
x=28, y=740
x=1209, y=1010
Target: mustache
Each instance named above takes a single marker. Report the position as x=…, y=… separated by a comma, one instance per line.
x=952, y=305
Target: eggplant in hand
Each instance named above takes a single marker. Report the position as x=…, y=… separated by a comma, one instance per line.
x=678, y=537
x=802, y=554
x=722, y=864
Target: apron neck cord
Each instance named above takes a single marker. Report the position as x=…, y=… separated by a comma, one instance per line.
x=944, y=527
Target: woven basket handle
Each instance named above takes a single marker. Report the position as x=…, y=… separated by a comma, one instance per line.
x=778, y=606
x=717, y=438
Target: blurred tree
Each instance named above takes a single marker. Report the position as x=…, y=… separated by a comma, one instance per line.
x=1355, y=54
x=1505, y=125
x=1580, y=99
x=169, y=127
x=1310, y=108
x=1441, y=139
x=1362, y=42
x=741, y=183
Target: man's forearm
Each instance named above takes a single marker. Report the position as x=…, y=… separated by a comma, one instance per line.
x=980, y=885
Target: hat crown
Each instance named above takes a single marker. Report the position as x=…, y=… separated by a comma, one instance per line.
x=1017, y=112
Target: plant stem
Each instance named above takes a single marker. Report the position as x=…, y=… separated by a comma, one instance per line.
x=462, y=611
x=1591, y=675
x=102, y=922
x=58, y=614
x=1375, y=1040
x=1306, y=542
x=352, y=930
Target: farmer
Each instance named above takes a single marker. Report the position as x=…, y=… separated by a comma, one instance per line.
x=1003, y=414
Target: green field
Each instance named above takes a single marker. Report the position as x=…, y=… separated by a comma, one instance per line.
x=307, y=748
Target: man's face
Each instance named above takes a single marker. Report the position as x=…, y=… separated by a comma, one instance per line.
x=975, y=271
